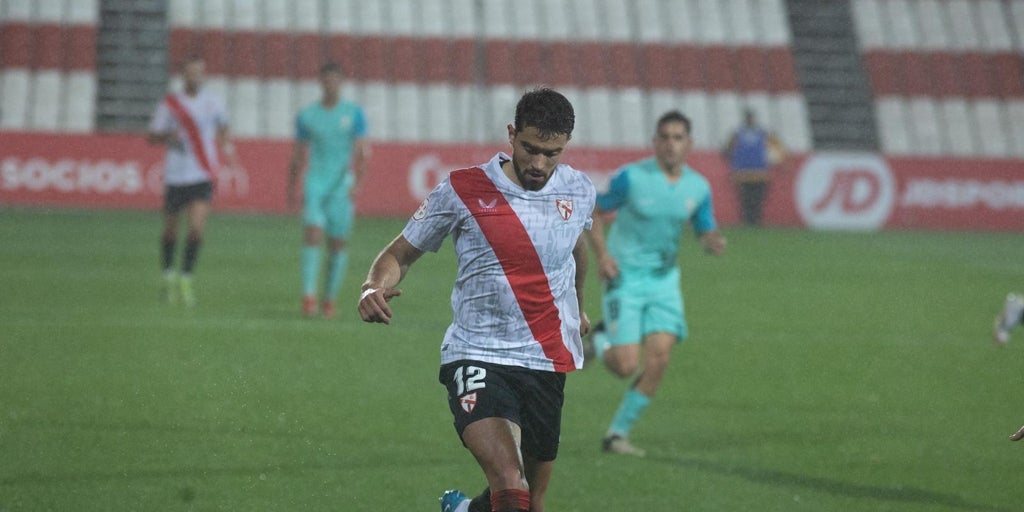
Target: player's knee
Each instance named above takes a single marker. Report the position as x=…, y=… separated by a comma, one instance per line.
x=622, y=367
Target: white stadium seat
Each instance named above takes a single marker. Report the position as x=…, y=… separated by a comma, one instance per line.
x=892, y=126
x=795, y=128
x=960, y=135
x=46, y=100
x=991, y=126
x=632, y=121
x=964, y=34
x=377, y=104
x=14, y=90
x=340, y=16
x=80, y=101
x=213, y=14
x=710, y=23
x=277, y=107
x=244, y=103
x=408, y=117
x=993, y=25
x=307, y=16
x=1015, y=114
x=651, y=22
x=925, y=120
x=401, y=18
x=867, y=18
x=932, y=18
x=775, y=21
x=618, y=20
x=697, y=105
x=741, y=27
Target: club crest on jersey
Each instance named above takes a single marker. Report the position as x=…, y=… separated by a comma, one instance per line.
x=468, y=402
x=564, y=208
x=421, y=211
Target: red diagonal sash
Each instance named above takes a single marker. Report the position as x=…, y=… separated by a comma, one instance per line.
x=518, y=257
x=192, y=130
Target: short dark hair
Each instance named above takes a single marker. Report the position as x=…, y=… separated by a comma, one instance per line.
x=330, y=67
x=547, y=110
x=675, y=116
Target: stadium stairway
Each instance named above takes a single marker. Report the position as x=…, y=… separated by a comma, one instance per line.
x=832, y=77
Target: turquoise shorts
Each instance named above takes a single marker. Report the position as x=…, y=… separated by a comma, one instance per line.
x=330, y=209
x=637, y=304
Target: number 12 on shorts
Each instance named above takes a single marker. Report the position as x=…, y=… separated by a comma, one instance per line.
x=469, y=378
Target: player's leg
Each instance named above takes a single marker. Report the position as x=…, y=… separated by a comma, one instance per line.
x=197, y=210
x=494, y=443
x=1009, y=317
x=538, y=476
x=314, y=218
x=485, y=408
x=341, y=214
x=169, y=241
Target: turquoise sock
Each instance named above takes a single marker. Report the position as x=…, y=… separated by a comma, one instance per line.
x=310, y=269
x=633, y=404
x=336, y=264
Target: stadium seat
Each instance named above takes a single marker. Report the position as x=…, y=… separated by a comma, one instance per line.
x=244, y=99
x=557, y=27
x=632, y=122
x=1015, y=112
x=433, y=20
x=618, y=20
x=462, y=26
x=401, y=17
x=369, y=18
x=794, y=129
x=46, y=100
x=992, y=24
x=340, y=17
x=775, y=22
x=728, y=115
x=80, y=102
x=900, y=26
x=1016, y=21
x=181, y=13
x=991, y=126
x=14, y=89
x=438, y=113
x=931, y=16
x=650, y=22
x=710, y=27
x=925, y=120
x=375, y=97
x=741, y=27
x=586, y=21
x=408, y=118
x=958, y=127
x=307, y=16
x=277, y=107
x=962, y=25
x=213, y=14
x=892, y=125
x=867, y=18
x=697, y=105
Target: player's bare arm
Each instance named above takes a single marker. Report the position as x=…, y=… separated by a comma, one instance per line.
x=227, y=146
x=360, y=163
x=579, y=253
x=300, y=156
x=385, y=273
x=607, y=267
x=713, y=242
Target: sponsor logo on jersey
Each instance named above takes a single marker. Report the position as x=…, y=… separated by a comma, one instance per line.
x=488, y=206
x=564, y=208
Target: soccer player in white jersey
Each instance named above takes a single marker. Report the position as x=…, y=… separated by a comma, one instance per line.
x=193, y=124
x=642, y=304
x=516, y=224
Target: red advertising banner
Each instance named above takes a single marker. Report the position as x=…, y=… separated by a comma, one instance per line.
x=862, y=191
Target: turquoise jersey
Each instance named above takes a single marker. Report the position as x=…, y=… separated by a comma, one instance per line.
x=651, y=215
x=331, y=135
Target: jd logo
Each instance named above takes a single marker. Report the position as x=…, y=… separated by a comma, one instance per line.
x=845, y=191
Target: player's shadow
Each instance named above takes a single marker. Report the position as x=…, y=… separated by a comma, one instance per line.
x=896, y=494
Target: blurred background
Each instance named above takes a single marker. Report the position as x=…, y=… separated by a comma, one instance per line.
x=927, y=90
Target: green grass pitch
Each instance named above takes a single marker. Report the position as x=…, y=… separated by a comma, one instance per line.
x=825, y=372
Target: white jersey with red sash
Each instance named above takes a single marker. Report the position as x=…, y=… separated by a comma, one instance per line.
x=514, y=298
x=196, y=119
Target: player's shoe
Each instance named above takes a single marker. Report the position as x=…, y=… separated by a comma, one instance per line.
x=620, y=445
x=169, y=289
x=309, y=306
x=328, y=308
x=1007, y=319
x=188, y=295
x=454, y=500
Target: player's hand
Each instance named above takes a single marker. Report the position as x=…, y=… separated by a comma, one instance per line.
x=713, y=242
x=373, y=304
x=1018, y=435
x=585, y=327
x=607, y=268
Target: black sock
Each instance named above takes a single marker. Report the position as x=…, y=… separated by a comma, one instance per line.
x=167, y=245
x=191, y=253
x=481, y=503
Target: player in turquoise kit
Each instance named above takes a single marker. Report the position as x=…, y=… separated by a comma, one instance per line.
x=642, y=304
x=331, y=137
